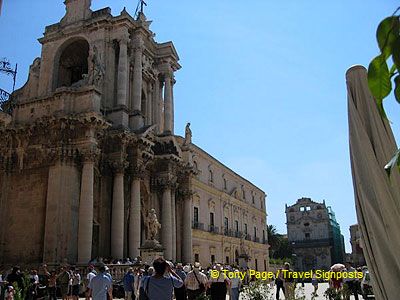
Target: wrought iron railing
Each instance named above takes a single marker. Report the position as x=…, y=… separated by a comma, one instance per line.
x=6, y=102
x=310, y=243
x=238, y=234
x=213, y=229
x=197, y=225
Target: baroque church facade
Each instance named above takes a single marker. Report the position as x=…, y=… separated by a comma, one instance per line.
x=89, y=149
x=314, y=235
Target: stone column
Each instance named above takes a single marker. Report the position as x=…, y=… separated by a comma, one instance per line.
x=137, y=118
x=168, y=126
x=155, y=99
x=166, y=219
x=85, y=228
x=173, y=221
x=161, y=106
x=62, y=208
x=117, y=213
x=149, y=107
x=187, y=230
x=135, y=218
x=122, y=88
x=172, y=104
x=178, y=209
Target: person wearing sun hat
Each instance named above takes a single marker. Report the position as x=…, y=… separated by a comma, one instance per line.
x=195, y=282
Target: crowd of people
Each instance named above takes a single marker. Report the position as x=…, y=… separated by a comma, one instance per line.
x=164, y=280
x=161, y=281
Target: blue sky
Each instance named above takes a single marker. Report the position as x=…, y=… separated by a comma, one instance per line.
x=263, y=84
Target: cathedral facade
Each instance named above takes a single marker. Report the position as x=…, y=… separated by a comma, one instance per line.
x=89, y=148
x=314, y=235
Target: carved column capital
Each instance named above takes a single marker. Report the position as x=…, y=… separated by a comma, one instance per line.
x=90, y=155
x=168, y=75
x=62, y=154
x=185, y=193
x=137, y=171
x=123, y=39
x=162, y=183
x=138, y=43
x=119, y=166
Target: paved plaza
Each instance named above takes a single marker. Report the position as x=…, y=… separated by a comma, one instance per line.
x=307, y=291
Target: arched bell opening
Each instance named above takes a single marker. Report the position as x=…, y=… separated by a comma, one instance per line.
x=72, y=63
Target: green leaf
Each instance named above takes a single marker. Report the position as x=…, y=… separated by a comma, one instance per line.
x=395, y=161
x=393, y=70
x=397, y=88
x=379, y=81
x=396, y=52
x=386, y=34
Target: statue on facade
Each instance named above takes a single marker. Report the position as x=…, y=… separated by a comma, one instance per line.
x=188, y=134
x=153, y=226
x=97, y=73
x=243, y=248
x=80, y=83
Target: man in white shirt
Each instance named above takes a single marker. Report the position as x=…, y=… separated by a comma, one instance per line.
x=91, y=274
x=195, y=282
x=236, y=283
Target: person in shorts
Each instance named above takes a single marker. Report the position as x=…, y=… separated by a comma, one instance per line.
x=63, y=282
x=75, y=283
x=314, y=282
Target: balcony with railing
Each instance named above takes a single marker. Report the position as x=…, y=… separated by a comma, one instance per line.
x=310, y=243
x=198, y=226
x=213, y=229
x=238, y=234
x=227, y=232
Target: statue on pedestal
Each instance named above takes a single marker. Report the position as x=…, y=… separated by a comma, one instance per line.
x=151, y=249
x=153, y=226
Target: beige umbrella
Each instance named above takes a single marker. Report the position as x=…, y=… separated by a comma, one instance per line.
x=337, y=267
x=377, y=196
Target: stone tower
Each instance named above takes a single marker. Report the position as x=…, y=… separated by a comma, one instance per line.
x=90, y=148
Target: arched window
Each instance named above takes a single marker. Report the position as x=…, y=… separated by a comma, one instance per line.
x=73, y=63
x=211, y=176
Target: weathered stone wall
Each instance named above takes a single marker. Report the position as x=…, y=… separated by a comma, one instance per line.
x=23, y=219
